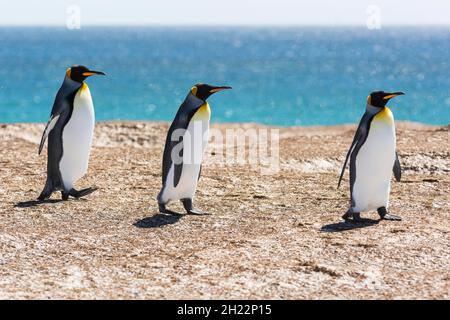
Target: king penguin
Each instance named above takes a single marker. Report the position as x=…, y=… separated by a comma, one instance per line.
x=373, y=158
x=186, y=141
x=69, y=131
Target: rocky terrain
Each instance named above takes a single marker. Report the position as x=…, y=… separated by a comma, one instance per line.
x=274, y=235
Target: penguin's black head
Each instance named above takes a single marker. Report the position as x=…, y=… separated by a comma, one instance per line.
x=380, y=98
x=80, y=73
x=203, y=91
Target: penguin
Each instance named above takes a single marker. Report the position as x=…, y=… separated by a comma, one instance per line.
x=373, y=158
x=69, y=131
x=186, y=141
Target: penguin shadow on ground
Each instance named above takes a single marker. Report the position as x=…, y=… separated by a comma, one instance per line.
x=34, y=203
x=346, y=226
x=158, y=220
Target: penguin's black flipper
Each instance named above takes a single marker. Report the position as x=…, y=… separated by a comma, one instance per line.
x=397, y=169
x=358, y=140
x=355, y=140
x=187, y=204
x=62, y=103
x=50, y=125
x=81, y=193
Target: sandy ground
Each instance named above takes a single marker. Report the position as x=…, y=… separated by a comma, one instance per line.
x=268, y=236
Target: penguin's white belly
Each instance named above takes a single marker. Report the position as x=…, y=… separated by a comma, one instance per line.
x=374, y=164
x=77, y=139
x=197, y=132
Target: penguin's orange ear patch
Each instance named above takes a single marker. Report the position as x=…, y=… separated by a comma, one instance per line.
x=194, y=90
x=69, y=72
x=369, y=99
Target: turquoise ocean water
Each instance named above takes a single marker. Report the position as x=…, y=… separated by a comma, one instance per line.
x=281, y=76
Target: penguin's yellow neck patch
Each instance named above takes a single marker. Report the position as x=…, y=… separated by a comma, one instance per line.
x=385, y=116
x=84, y=93
x=84, y=87
x=203, y=113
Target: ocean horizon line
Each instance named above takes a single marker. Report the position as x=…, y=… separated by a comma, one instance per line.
x=206, y=25
x=253, y=123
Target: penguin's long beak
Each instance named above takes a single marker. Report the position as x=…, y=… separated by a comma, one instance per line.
x=217, y=89
x=392, y=95
x=93, y=73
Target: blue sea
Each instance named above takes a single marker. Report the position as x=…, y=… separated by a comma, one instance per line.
x=280, y=76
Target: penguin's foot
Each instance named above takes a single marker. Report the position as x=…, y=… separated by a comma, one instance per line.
x=65, y=195
x=197, y=212
x=392, y=217
x=43, y=196
x=357, y=217
x=81, y=193
x=46, y=193
x=384, y=215
x=187, y=204
x=350, y=216
x=164, y=210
